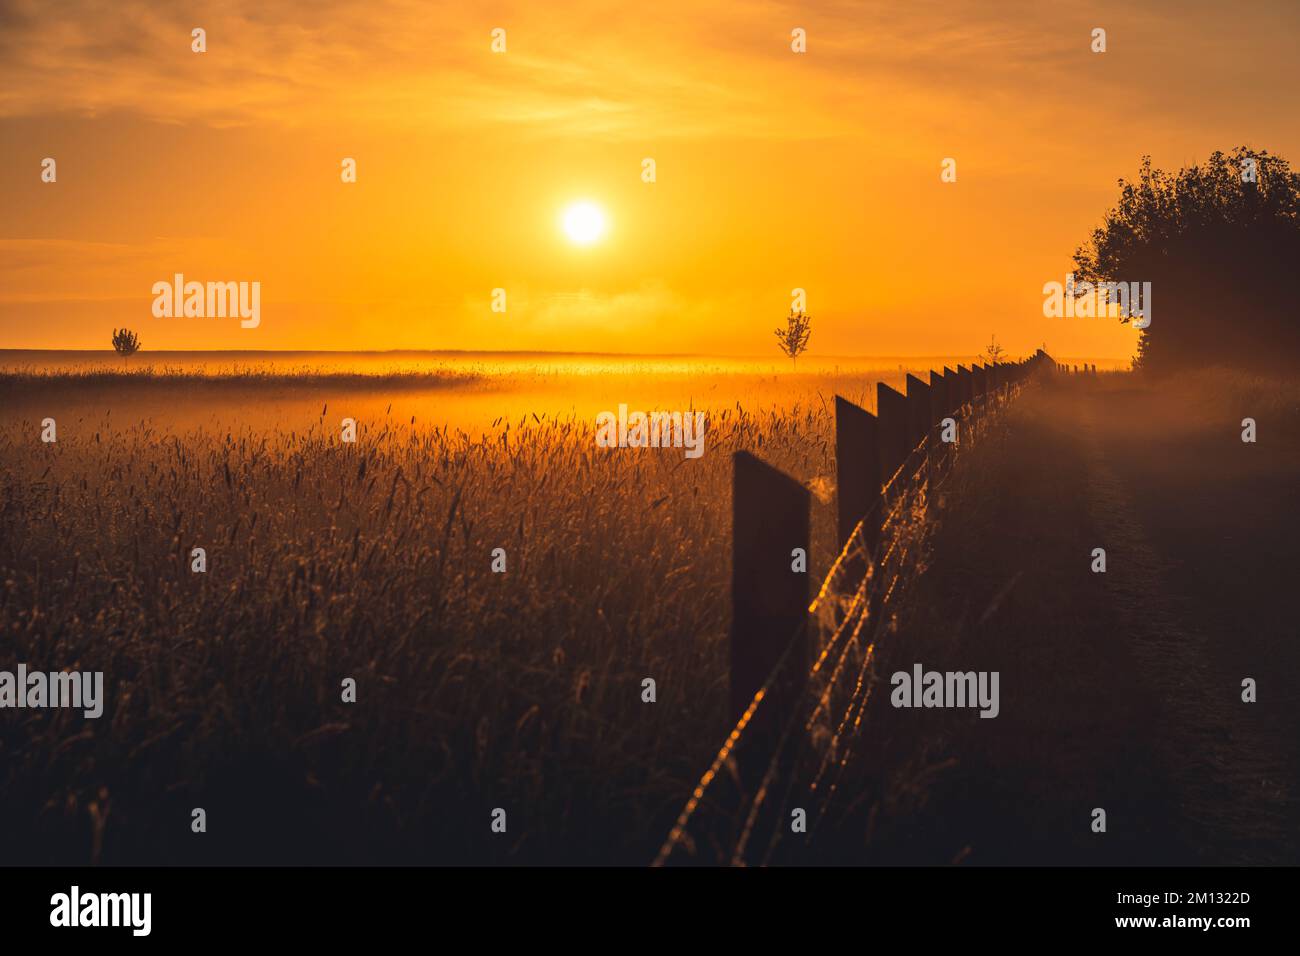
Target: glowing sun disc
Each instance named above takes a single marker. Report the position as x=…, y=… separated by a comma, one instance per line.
x=584, y=222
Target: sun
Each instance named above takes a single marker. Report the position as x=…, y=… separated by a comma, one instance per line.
x=584, y=222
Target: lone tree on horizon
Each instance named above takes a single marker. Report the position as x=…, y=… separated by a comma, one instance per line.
x=1219, y=242
x=793, y=339
x=993, y=353
x=126, y=342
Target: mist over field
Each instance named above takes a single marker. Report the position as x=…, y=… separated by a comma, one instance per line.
x=466, y=390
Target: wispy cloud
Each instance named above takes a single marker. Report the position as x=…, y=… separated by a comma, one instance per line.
x=674, y=69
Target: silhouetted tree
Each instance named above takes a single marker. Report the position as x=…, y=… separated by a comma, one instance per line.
x=1220, y=245
x=993, y=353
x=793, y=339
x=126, y=342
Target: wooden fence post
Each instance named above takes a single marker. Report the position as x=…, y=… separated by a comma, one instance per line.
x=939, y=389
x=918, y=411
x=965, y=385
x=938, y=396
x=769, y=600
x=891, y=416
x=857, y=472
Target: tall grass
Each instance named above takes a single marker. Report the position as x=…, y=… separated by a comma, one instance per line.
x=372, y=561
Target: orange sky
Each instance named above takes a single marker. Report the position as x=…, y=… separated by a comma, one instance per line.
x=775, y=170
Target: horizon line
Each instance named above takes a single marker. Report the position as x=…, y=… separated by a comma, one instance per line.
x=555, y=352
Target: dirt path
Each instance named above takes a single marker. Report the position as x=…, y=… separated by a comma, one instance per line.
x=1119, y=690
x=1210, y=528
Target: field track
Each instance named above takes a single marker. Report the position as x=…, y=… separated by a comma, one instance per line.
x=1123, y=690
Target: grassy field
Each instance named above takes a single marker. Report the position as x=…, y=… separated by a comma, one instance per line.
x=522, y=690
x=372, y=561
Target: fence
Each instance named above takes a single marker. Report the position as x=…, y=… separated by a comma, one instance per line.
x=800, y=668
